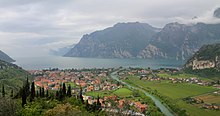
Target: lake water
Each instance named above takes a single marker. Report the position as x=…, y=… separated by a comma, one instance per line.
x=31, y=63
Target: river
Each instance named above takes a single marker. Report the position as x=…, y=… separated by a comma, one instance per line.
x=157, y=102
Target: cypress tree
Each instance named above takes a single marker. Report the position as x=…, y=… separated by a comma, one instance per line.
x=27, y=87
x=37, y=95
x=80, y=95
x=12, y=93
x=98, y=104
x=32, y=92
x=3, y=91
x=47, y=93
x=43, y=94
x=64, y=89
x=69, y=91
x=24, y=97
x=87, y=105
x=40, y=92
x=57, y=95
x=60, y=95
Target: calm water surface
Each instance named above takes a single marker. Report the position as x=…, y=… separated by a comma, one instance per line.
x=30, y=63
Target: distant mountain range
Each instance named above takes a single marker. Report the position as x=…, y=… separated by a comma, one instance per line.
x=61, y=51
x=217, y=13
x=5, y=57
x=141, y=40
x=123, y=40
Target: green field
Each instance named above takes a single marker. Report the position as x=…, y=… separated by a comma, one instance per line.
x=180, y=75
x=73, y=85
x=122, y=92
x=176, y=92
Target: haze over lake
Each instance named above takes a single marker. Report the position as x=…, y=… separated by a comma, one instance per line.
x=31, y=63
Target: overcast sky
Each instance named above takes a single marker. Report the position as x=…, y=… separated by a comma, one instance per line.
x=33, y=27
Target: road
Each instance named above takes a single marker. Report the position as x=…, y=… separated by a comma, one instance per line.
x=163, y=109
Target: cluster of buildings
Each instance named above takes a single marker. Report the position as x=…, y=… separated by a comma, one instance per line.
x=88, y=80
x=109, y=102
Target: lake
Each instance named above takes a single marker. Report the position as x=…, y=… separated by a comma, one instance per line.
x=33, y=63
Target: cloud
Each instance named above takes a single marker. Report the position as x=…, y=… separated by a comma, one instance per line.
x=34, y=26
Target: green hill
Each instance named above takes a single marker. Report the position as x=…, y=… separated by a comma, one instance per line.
x=5, y=57
x=11, y=76
x=205, y=62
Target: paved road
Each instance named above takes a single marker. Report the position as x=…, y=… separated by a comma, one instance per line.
x=163, y=109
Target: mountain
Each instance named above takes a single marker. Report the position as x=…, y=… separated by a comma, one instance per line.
x=206, y=61
x=11, y=76
x=123, y=40
x=61, y=51
x=180, y=41
x=208, y=56
x=138, y=40
x=217, y=13
x=5, y=57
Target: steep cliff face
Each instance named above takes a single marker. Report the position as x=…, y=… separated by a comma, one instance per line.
x=152, y=52
x=180, y=42
x=138, y=40
x=123, y=40
x=206, y=58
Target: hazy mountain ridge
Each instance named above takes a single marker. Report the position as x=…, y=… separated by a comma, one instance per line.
x=179, y=41
x=61, y=51
x=123, y=40
x=217, y=13
x=131, y=40
x=5, y=57
x=140, y=40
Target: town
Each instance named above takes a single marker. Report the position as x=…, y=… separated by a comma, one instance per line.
x=98, y=83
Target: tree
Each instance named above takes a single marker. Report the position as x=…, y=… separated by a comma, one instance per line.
x=12, y=93
x=57, y=95
x=64, y=89
x=27, y=87
x=37, y=95
x=80, y=95
x=3, y=91
x=43, y=94
x=8, y=107
x=24, y=97
x=98, y=104
x=69, y=91
x=32, y=92
x=47, y=93
x=40, y=92
x=60, y=95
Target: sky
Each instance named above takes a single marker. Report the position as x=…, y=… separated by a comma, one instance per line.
x=34, y=27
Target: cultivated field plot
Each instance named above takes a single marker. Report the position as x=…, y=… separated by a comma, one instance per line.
x=176, y=92
x=210, y=98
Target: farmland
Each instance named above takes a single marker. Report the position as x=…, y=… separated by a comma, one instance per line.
x=209, y=98
x=175, y=92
